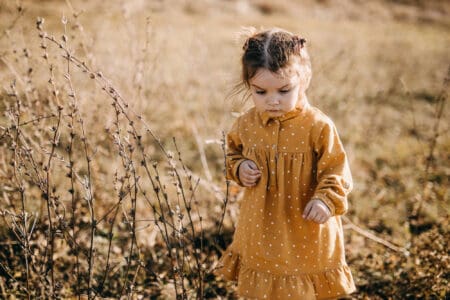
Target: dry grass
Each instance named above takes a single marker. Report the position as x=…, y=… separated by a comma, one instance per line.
x=378, y=70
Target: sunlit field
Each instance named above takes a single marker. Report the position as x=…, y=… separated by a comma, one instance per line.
x=112, y=125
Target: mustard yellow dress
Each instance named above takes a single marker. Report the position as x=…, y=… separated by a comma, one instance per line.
x=275, y=253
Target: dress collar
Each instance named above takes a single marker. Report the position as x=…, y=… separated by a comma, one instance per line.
x=265, y=116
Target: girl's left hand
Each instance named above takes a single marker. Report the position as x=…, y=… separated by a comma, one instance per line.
x=316, y=211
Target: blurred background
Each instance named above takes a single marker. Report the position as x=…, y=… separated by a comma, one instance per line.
x=94, y=94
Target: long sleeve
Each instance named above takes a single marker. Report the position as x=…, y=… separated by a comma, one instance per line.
x=334, y=179
x=234, y=155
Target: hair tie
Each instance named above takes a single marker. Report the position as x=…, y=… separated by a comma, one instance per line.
x=302, y=42
x=298, y=43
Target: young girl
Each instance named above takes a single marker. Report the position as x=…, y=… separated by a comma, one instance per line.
x=288, y=242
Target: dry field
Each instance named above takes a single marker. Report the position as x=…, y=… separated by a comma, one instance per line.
x=111, y=140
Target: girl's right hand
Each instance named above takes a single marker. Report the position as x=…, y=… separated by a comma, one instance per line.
x=249, y=173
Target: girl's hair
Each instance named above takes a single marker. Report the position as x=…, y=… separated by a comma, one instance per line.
x=274, y=49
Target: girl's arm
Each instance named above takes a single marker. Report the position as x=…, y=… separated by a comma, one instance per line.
x=234, y=155
x=333, y=172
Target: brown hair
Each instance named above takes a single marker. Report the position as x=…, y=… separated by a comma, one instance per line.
x=273, y=49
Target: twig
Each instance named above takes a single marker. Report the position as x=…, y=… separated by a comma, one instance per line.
x=72, y=134
x=227, y=183
x=21, y=12
x=23, y=238
x=201, y=151
x=188, y=207
x=369, y=235
x=440, y=104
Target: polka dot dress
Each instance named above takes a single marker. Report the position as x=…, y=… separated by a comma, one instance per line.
x=275, y=253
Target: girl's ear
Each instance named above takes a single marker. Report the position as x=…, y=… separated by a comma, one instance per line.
x=303, y=74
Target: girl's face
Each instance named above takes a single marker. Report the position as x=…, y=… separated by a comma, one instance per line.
x=276, y=94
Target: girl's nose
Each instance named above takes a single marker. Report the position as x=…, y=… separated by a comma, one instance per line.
x=273, y=101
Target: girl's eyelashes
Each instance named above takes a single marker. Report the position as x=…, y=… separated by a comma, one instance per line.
x=281, y=91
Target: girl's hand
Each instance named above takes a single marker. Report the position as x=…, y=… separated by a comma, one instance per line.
x=249, y=173
x=316, y=211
